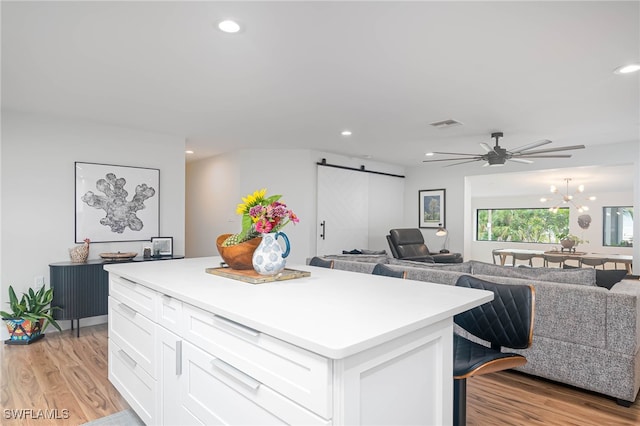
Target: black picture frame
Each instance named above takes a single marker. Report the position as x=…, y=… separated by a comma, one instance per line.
x=161, y=246
x=116, y=203
x=431, y=208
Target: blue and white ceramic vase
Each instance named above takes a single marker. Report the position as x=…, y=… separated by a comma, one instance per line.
x=269, y=258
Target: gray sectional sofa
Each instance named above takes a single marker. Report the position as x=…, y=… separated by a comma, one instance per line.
x=585, y=335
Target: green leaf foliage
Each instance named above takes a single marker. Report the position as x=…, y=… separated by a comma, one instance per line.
x=522, y=225
x=33, y=305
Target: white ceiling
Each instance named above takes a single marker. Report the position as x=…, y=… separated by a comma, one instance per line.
x=300, y=72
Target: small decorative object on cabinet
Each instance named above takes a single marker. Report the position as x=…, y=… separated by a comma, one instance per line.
x=260, y=215
x=162, y=246
x=80, y=254
x=269, y=258
x=29, y=316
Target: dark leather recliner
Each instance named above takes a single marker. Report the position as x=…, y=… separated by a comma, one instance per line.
x=408, y=244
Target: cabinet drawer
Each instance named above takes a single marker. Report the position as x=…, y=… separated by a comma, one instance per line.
x=133, y=382
x=136, y=296
x=134, y=333
x=170, y=313
x=217, y=393
x=301, y=375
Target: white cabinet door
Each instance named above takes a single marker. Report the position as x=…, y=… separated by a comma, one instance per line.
x=343, y=202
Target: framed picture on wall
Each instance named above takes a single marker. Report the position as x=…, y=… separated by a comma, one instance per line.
x=116, y=203
x=161, y=246
x=431, y=208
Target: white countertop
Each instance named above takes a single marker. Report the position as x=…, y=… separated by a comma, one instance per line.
x=333, y=313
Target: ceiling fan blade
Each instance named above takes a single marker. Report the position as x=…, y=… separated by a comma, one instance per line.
x=520, y=160
x=486, y=147
x=560, y=148
x=476, y=158
x=544, y=156
x=456, y=153
x=530, y=146
x=462, y=162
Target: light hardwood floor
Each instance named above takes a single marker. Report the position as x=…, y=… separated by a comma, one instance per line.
x=63, y=372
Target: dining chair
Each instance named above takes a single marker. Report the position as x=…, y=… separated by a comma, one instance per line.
x=554, y=259
x=506, y=321
x=591, y=261
x=528, y=257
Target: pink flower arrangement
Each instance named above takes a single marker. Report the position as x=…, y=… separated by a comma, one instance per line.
x=272, y=217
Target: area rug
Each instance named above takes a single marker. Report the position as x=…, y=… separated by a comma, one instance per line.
x=123, y=418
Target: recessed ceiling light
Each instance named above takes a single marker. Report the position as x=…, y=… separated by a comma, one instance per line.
x=626, y=69
x=188, y=151
x=346, y=133
x=229, y=26
x=429, y=154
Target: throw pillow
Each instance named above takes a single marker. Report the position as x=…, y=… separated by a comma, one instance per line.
x=606, y=278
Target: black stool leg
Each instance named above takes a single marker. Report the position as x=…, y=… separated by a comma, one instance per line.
x=459, y=402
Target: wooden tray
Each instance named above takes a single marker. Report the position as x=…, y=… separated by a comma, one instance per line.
x=252, y=277
x=119, y=256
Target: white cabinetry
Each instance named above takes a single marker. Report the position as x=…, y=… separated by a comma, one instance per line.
x=186, y=347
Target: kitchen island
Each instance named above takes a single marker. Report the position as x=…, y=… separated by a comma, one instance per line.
x=337, y=347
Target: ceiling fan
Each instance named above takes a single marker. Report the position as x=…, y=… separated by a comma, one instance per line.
x=497, y=155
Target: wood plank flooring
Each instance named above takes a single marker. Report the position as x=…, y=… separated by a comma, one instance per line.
x=63, y=372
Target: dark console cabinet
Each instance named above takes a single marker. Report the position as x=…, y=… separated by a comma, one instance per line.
x=81, y=290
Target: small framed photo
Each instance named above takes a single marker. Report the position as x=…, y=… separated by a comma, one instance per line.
x=431, y=208
x=161, y=246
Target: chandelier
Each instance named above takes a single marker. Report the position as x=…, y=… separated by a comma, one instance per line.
x=566, y=198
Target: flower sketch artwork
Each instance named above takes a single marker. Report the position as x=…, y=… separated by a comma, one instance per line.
x=116, y=203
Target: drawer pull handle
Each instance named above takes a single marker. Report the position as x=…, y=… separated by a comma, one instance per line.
x=125, y=357
x=127, y=309
x=128, y=282
x=233, y=372
x=236, y=326
x=178, y=357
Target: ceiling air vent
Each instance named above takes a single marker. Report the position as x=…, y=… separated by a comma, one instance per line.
x=445, y=124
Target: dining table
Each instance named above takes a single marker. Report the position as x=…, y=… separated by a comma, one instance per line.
x=626, y=260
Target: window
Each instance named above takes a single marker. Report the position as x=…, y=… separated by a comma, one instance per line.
x=617, y=226
x=521, y=225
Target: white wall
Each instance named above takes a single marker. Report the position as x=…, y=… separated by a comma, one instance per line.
x=37, y=181
x=215, y=185
x=459, y=214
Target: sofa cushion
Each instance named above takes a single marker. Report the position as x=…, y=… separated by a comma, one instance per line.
x=580, y=276
x=369, y=258
x=349, y=265
x=606, y=278
x=457, y=267
x=568, y=312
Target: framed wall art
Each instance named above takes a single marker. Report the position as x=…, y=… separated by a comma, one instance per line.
x=431, y=208
x=116, y=203
x=162, y=246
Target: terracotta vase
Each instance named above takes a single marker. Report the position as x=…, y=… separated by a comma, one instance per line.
x=238, y=256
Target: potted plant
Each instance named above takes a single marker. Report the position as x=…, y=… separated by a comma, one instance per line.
x=30, y=316
x=569, y=241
